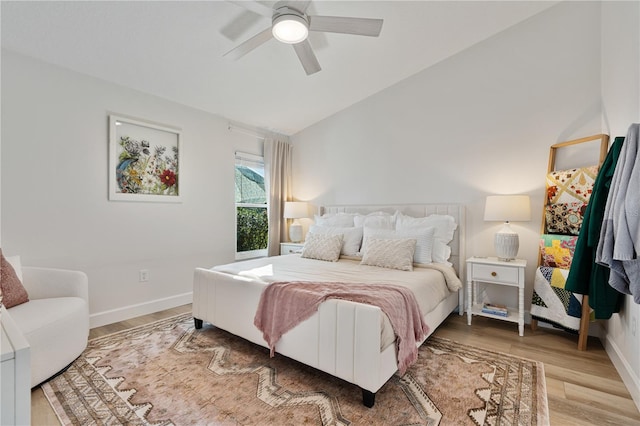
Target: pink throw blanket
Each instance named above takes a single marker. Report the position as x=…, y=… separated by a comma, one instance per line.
x=283, y=305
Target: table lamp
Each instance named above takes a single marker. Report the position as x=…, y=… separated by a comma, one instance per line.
x=516, y=208
x=295, y=210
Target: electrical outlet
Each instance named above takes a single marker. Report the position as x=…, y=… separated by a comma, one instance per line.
x=143, y=275
x=634, y=325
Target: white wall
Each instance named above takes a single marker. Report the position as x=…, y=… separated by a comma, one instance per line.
x=55, y=209
x=478, y=123
x=621, y=107
x=481, y=122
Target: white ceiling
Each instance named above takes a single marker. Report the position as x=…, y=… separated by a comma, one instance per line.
x=173, y=49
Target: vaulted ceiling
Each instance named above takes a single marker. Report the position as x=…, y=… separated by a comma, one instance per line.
x=174, y=49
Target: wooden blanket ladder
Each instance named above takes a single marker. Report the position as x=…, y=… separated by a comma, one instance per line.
x=553, y=155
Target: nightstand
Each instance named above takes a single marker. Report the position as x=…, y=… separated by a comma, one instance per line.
x=489, y=271
x=290, y=248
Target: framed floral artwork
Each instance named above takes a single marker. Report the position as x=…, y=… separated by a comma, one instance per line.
x=144, y=161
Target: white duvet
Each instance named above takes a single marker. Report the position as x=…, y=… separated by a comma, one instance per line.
x=431, y=284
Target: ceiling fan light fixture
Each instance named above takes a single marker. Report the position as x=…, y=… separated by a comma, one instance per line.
x=290, y=29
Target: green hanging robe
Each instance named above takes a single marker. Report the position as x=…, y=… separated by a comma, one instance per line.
x=585, y=275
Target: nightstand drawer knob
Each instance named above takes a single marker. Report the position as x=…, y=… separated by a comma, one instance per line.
x=494, y=274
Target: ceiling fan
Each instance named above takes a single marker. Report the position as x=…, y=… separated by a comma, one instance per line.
x=290, y=24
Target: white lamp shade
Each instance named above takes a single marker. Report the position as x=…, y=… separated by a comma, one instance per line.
x=295, y=209
x=507, y=208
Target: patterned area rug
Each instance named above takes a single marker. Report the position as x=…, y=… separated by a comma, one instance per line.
x=168, y=373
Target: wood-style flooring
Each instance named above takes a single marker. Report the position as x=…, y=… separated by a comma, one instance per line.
x=583, y=388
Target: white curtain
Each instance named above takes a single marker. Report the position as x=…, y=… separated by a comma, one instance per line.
x=277, y=168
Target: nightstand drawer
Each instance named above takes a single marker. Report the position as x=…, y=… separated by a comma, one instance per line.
x=290, y=248
x=495, y=273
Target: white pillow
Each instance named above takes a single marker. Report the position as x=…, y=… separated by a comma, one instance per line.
x=335, y=219
x=351, y=237
x=424, y=240
x=322, y=247
x=441, y=253
x=380, y=220
x=445, y=226
x=385, y=253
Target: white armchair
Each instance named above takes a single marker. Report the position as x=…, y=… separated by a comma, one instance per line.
x=55, y=320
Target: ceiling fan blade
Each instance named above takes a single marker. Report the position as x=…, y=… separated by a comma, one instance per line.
x=234, y=29
x=307, y=57
x=344, y=25
x=246, y=47
x=255, y=7
x=300, y=5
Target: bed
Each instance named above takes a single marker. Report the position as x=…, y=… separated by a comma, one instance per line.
x=360, y=349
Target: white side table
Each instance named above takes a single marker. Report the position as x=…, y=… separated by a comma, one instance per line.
x=290, y=248
x=15, y=370
x=491, y=271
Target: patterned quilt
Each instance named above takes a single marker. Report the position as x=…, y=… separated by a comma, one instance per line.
x=564, y=218
x=571, y=186
x=557, y=250
x=552, y=303
x=568, y=192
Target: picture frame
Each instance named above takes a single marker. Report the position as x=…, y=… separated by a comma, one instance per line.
x=145, y=161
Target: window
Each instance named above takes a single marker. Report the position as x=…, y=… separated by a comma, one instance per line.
x=252, y=221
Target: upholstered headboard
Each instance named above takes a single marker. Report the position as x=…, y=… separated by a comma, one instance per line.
x=418, y=210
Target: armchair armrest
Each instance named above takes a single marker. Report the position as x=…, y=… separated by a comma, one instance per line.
x=43, y=283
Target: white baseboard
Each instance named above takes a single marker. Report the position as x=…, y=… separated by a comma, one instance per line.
x=631, y=381
x=595, y=328
x=127, y=312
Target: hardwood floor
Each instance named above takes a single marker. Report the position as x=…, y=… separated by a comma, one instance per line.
x=583, y=388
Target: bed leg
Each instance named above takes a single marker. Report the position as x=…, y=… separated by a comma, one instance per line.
x=368, y=398
x=197, y=323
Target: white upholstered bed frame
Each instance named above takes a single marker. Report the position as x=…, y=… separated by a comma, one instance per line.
x=350, y=351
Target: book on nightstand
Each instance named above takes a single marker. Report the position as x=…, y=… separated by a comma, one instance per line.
x=491, y=308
